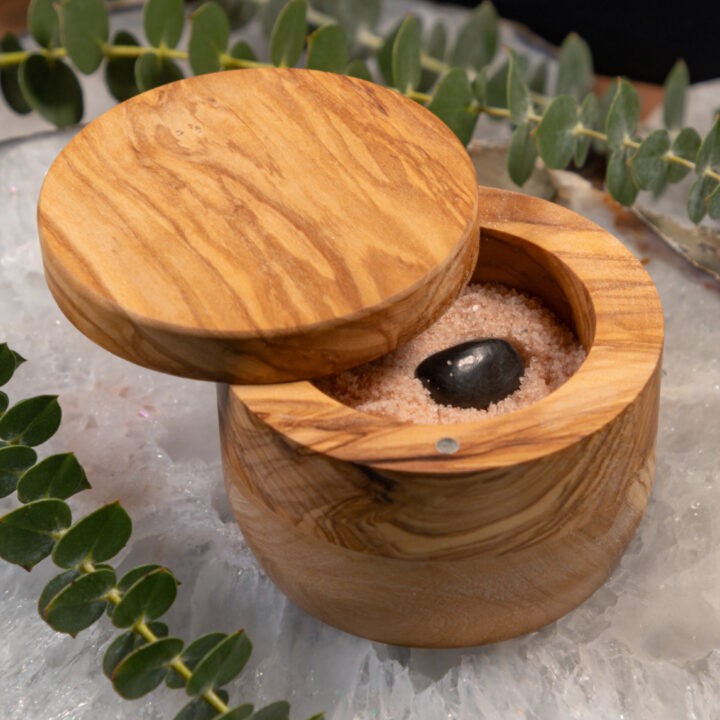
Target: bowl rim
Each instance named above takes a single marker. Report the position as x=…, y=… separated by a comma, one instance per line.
x=622, y=360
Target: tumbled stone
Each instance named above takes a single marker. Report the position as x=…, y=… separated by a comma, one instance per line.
x=473, y=374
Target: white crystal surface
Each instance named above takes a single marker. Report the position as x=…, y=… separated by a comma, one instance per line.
x=644, y=647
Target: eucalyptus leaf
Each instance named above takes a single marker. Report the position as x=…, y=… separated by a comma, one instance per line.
x=43, y=22
x=80, y=603
x=149, y=598
x=554, y=135
x=676, y=84
x=4, y=402
x=95, y=538
x=31, y=421
x=14, y=461
x=606, y=100
x=125, y=643
x=145, y=668
x=241, y=712
x=85, y=32
x=57, y=476
x=9, y=362
x=328, y=49
x=588, y=115
x=132, y=576
x=52, y=89
x=478, y=38
x=696, y=205
x=575, y=67
x=275, y=711
x=619, y=179
x=219, y=666
x=479, y=87
x=648, y=163
x=358, y=68
x=120, y=71
x=151, y=71
x=163, y=21
x=538, y=80
x=192, y=655
x=209, y=36
x=406, y=67
x=242, y=51
x=713, y=203
x=521, y=155
x=518, y=94
x=26, y=534
x=436, y=48
x=56, y=586
x=686, y=146
x=384, y=56
x=9, y=80
x=623, y=116
x=496, y=87
x=270, y=12
x=288, y=35
x=452, y=103
x=709, y=152
x=199, y=709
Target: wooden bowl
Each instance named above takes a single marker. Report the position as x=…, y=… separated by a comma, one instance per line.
x=455, y=535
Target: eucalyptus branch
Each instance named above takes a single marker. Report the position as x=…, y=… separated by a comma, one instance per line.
x=453, y=81
x=143, y=655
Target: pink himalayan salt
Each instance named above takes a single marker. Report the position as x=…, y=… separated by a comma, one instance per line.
x=387, y=386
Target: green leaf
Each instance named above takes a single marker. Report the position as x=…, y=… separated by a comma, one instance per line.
x=43, y=23
x=223, y=663
x=149, y=598
x=713, y=203
x=125, y=643
x=55, y=586
x=242, y=51
x=4, y=402
x=606, y=100
x=554, y=135
x=353, y=16
x=120, y=71
x=95, y=538
x=358, y=68
x=132, y=576
x=588, y=115
x=648, y=164
x=479, y=87
x=385, y=54
x=57, y=476
x=145, y=668
x=26, y=534
x=623, y=115
x=496, y=87
x=275, y=711
x=328, y=49
x=619, y=179
x=288, y=35
x=575, y=67
x=198, y=709
x=240, y=712
x=452, y=102
x=51, y=89
x=538, y=81
x=686, y=146
x=270, y=12
x=436, y=47
x=14, y=460
x=9, y=362
x=521, y=156
x=80, y=603
x=31, y=421
x=151, y=71
x=163, y=21
x=9, y=80
x=675, y=86
x=696, y=204
x=406, y=67
x=193, y=654
x=517, y=93
x=477, y=41
x=85, y=31
x=709, y=152
x=209, y=36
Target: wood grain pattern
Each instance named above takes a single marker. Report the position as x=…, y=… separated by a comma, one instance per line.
x=362, y=522
x=259, y=225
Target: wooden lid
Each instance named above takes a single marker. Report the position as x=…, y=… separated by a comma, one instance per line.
x=259, y=225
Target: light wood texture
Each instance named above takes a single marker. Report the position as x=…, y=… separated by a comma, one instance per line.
x=362, y=522
x=259, y=225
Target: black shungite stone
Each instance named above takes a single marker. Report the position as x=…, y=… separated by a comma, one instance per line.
x=473, y=374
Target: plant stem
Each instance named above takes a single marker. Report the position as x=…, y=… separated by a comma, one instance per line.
x=134, y=51
x=141, y=628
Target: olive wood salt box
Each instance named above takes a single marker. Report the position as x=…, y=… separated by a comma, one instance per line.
x=261, y=228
